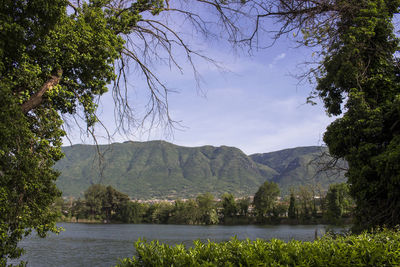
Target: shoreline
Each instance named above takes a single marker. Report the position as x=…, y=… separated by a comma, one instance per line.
x=89, y=221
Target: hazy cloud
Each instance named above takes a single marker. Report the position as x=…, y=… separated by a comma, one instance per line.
x=276, y=59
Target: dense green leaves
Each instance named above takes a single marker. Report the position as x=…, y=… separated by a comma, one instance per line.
x=52, y=61
x=292, y=207
x=265, y=200
x=42, y=39
x=338, y=202
x=361, y=68
x=229, y=206
x=105, y=203
x=377, y=249
x=27, y=181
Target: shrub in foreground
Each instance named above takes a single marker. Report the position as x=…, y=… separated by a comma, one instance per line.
x=368, y=249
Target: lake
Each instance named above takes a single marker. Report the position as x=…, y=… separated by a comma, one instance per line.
x=102, y=244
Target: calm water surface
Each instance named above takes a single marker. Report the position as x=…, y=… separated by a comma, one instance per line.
x=103, y=244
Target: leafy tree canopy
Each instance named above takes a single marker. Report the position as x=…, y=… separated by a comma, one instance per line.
x=229, y=205
x=265, y=198
x=338, y=201
x=361, y=68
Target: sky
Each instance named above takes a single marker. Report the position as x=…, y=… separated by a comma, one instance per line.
x=254, y=103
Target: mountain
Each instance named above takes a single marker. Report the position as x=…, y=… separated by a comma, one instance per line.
x=158, y=169
x=301, y=166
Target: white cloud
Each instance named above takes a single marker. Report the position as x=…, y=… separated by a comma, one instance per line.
x=276, y=59
x=279, y=57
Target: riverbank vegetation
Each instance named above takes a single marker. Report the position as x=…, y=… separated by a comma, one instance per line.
x=303, y=206
x=367, y=249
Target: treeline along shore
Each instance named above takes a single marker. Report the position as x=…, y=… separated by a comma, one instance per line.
x=305, y=205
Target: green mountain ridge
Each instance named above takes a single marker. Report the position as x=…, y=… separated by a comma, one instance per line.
x=158, y=169
x=301, y=166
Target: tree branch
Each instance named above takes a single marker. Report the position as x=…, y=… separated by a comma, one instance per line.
x=37, y=98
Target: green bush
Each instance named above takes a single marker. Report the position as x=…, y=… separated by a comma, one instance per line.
x=381, y=248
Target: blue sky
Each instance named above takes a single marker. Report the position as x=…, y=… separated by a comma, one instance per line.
x=254, y=103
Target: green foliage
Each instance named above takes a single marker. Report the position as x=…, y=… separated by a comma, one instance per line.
x=229, y=206
x=243, y=206
x=131, y=212
x=103, y=202
x=305, y=201
x=158, y=213
x=95, y=195
x=207, y=208
x=79, y=209
x=27, y=180
x=279, y=212
x=338, y=202
x=52, y=62
x=361, y=67
x=367, y=249
x=265, y=200
x=184, y=212
x=292, y=207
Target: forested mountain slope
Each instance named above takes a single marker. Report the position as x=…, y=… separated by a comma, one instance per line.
x=158, y=169
x=301, y=166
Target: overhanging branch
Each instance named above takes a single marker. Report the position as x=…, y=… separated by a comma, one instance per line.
x=37, y=98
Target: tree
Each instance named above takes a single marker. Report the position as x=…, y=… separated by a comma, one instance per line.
x=131, y=212
x=184, y=212
x=264, y=199
x=56, y=58
x=305, y=202
x=79, y=209
x=49, y=63
x=27, y=187
x=292, y=207
x=95, y=197
x=229, y=206
x=62, y=207
x=244, y=204
x=159, y=212
x=357, y=75
x=361, y=67
x=206, y=208
x=113, y=202
x=104, y=202
x=278, y=211
x=338, y=202
x=334, y=209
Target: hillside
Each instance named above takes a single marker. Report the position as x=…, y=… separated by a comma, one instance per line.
x=159, y=169
x=300, y=166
